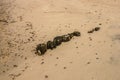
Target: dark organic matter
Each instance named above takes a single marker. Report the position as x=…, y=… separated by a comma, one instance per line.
x=94, y=29
x=97, y=28
x=42, y=48
x=57, y=40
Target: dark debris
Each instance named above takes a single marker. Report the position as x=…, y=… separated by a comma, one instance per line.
x=94, y=29
x=42, y=48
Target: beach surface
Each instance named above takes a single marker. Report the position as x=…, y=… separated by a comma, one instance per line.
x=93, y=56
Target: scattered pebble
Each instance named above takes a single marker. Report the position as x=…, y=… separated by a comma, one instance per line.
x=15, y=65
x=77, y=47
x=25, y=58
x=96, y=53
x=100, y=23
x=42, y=62
x=97, y=58
x=64, y=67
x=3, y=71
x=57, y=57
x=46, y=76
x=88, y=62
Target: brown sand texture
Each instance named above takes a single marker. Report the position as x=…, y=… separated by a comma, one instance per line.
x=27, y=23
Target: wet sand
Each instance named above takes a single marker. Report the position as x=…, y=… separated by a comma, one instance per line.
x=92, y=56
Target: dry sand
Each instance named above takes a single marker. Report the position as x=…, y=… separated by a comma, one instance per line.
x=26, y=23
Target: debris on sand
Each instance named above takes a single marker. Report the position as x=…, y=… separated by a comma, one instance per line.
x=94, y=29
x=42, y=48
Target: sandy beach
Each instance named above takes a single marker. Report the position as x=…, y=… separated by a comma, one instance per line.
x=93, y=56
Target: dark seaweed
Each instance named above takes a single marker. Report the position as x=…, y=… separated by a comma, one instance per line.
x=94, y=29
x=42, y=48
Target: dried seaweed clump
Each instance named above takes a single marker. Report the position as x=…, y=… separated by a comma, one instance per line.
x=42, y=48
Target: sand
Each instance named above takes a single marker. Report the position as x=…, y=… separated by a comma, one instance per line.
x=26, y=23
